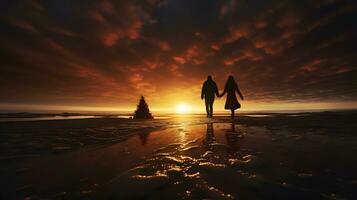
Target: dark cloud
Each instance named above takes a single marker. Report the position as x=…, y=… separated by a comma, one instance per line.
x=110, y=52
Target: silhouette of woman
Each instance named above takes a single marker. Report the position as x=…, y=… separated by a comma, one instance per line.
x=231, y=102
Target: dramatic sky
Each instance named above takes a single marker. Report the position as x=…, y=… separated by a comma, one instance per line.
x=101, y=53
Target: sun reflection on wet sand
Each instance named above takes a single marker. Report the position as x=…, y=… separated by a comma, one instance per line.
x=194, y=154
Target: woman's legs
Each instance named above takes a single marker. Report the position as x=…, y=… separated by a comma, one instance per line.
x=232, y=113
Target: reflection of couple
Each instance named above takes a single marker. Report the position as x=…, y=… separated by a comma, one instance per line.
x=232, y=137
x=210, y=90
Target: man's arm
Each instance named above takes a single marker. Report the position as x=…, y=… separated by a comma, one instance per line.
x=202, y=92
x=216, y=89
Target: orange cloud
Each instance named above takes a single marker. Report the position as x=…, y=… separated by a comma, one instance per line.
x=248, y=54
x=260, y=24
x=230, y=6
x=133, y=31
x=62, y=31
x=116, y=23
x=215, y=47
x=235, y=34
x=111, y=38
x=313, y=66
x=180, y=60
x=343, y=69
x=26, y=26
x=97, y=16
x=164, y=46
x=137, y=80
x=194, y=54
x=175, y=70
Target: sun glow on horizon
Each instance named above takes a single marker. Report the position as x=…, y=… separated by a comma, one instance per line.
x=182, y=108
x=179, y=108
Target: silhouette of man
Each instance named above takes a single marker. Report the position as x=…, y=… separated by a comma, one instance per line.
x=209, y=91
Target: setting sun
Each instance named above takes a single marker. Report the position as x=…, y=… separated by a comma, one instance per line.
x=182, y=108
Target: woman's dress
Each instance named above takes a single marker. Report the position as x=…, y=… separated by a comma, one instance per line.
x=231, y=101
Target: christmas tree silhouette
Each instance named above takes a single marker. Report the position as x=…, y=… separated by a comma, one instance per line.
x=142, y=111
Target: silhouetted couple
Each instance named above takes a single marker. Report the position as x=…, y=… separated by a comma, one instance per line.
x=210, y=90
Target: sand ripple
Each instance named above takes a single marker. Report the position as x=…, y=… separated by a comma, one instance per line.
x=188, y=172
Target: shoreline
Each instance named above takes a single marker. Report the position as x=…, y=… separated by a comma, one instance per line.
x=25, y=116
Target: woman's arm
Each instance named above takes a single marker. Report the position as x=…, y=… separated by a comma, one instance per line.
x=224, y=92
x=240, y=94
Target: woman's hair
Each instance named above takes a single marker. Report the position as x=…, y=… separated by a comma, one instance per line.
x=231, y=82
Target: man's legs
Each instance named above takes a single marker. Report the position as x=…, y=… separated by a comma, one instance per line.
x=207, y=107
x=211, y=109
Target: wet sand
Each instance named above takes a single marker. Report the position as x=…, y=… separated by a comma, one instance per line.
x=275, y=156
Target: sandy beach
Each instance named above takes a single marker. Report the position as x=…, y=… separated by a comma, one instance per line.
x=257, y=156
